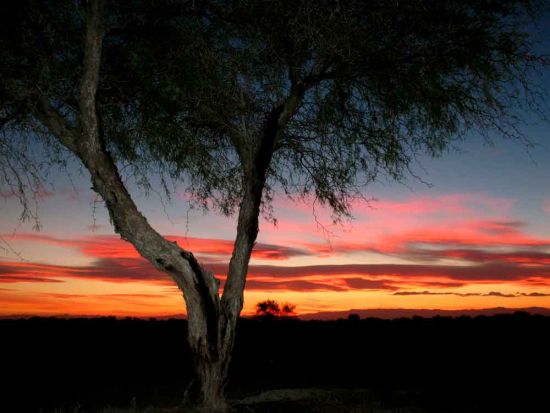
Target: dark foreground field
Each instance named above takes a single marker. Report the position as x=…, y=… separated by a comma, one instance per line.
x=481, y=364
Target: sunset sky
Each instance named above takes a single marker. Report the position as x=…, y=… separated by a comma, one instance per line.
x=478, y=236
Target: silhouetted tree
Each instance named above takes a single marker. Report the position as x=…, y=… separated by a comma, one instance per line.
x=353, y=317
x=267, y=307
x=272, y=309
x=239, y=99
x=288, y=310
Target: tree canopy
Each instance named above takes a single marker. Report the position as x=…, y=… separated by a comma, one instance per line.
x=269, y=309
x=363, y=87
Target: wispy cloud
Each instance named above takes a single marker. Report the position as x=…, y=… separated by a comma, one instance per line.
x=299, y=278
x=459, y=294
x=111, y=246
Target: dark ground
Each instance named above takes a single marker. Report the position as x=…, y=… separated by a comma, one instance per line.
x=481, y=364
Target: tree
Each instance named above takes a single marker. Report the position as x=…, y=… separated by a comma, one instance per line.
x=242, y=99
x=271, y=309
x=354, y=317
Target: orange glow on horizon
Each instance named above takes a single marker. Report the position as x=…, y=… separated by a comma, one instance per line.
x=452, y=252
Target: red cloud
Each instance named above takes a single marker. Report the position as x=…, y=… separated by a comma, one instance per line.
x=487, y=272
x=24, y=278
x=12, y=272
x=302, y=278
x=489, y=294
x=494, y=250
x=111, y=246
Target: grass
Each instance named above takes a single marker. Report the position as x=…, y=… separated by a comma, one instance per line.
x=318, y=401
x=292, y=401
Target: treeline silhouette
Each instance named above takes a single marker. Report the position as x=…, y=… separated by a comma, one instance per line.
x=441, y=364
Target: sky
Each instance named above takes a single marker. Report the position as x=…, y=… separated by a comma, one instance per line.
x=473, y=233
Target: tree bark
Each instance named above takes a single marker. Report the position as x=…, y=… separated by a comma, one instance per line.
x=211, y=364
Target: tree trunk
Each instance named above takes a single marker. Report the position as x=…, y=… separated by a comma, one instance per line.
x=208, y=390
x=212, y=320
x=211, y=354
x=212, y=383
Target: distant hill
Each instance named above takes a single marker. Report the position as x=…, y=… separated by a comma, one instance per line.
x=399, y=313
x=382, y=313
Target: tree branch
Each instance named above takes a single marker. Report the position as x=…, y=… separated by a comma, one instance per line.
x=56, y=123
x=255, y=170
x=256, y=164
x=90, y=77
x=199, y=286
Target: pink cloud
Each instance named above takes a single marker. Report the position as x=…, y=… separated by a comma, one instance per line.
x=476, y=231
x=380, y=225
x=451, y=204
x=432, y=237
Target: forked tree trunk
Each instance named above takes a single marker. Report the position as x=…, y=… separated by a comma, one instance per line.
x=211, y=329
x=212, y=319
